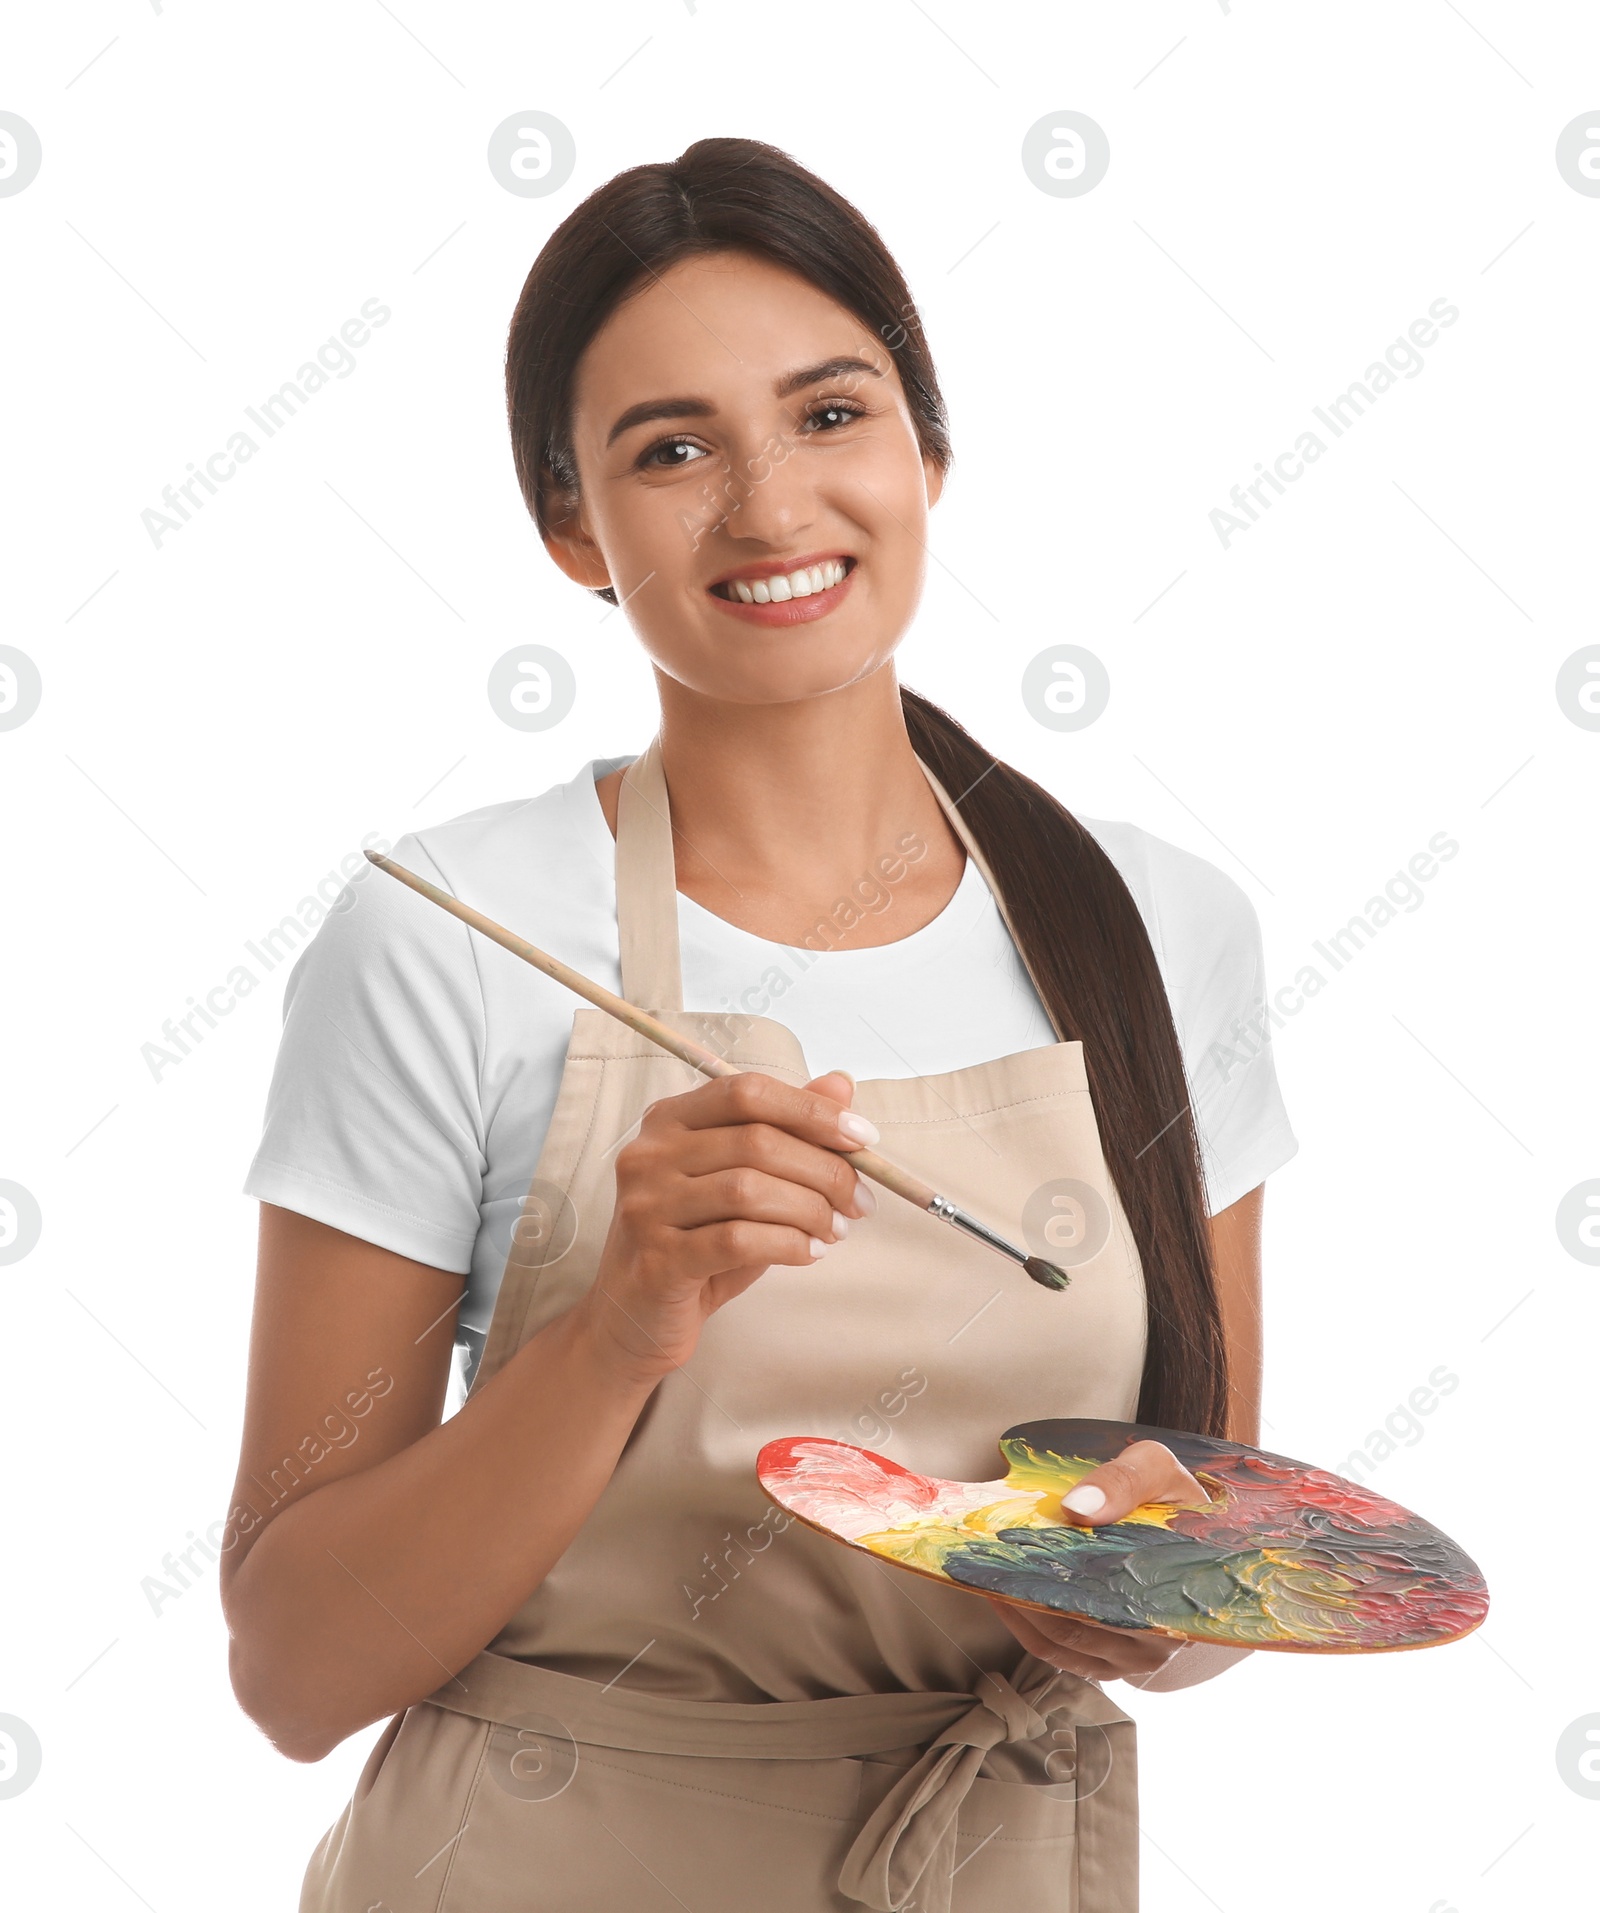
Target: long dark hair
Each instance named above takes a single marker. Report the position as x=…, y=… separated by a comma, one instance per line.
x=1077, y=927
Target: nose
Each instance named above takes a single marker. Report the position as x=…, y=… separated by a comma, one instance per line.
x=771, y=496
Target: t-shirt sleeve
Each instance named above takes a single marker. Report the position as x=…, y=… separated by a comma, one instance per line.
x=374, y=1119
x=1218, y=985
x=1207, y=940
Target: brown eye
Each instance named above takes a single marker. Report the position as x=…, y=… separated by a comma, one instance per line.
x=672, y=454
x=829, y=417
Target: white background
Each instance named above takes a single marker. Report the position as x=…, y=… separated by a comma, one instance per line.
x=226, y=716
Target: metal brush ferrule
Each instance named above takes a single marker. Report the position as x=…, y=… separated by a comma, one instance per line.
x=947, y=1211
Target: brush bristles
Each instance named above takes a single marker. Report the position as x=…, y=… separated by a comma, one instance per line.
x=1046, y=1274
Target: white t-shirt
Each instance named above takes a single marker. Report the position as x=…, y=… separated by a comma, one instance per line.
x=419, y=1063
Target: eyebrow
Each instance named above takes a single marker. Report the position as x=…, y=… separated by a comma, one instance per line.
x=649, y=410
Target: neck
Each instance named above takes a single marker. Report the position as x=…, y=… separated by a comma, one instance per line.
x=778, y=810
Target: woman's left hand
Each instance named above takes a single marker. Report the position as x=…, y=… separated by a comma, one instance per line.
x=1144, y=1471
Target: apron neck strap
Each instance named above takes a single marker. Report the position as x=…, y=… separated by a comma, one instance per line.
x=958, y=824
x=647, y=888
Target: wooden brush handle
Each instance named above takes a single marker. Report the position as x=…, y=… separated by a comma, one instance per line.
x=879, y=1168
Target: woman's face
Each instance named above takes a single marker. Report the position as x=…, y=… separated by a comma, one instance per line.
x=741, y=437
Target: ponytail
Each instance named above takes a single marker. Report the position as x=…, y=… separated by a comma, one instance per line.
x=1084, y=943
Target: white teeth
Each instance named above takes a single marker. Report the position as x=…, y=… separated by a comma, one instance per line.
x=796, y=584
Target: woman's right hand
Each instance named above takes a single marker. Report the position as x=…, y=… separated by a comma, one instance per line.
x=719, y=1184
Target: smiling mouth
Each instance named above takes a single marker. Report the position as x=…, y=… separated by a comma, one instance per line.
x=807, y=582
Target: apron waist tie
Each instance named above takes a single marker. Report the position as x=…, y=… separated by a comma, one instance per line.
x=907, y=1844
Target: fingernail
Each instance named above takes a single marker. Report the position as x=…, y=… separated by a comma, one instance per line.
x=841, y=1226
x=866, y=1196
x=819, y=1247
x=857, y=1128
x=1085, y=1499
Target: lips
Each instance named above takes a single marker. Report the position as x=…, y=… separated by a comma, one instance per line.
x=785, y=591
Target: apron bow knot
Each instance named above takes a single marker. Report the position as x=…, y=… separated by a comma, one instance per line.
x=907, y=1845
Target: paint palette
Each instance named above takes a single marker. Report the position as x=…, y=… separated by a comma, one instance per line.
x=1283, y=1556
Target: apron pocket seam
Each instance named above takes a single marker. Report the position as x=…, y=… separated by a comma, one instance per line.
x=992, y=1109
x=466, y=1815
x=719, y=1793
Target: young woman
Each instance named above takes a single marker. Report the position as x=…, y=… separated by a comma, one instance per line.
x=618, y=1676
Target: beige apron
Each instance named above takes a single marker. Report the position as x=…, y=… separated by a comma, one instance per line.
x=706, y=1703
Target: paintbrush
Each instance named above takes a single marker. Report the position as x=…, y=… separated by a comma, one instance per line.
x=867, y=1161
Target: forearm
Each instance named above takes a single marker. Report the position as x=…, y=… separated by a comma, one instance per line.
x=1194, y=1662
x=369, y=1593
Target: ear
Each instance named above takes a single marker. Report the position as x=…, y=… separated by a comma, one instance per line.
x=933, y=473
x=567, y=537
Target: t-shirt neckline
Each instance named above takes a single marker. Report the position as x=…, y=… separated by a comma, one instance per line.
x=964, y=906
